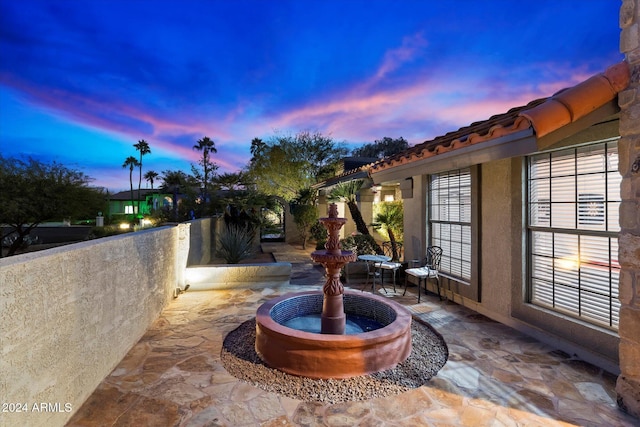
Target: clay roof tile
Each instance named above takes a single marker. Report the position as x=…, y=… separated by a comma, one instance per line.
x=570, y=105
x=545, y=115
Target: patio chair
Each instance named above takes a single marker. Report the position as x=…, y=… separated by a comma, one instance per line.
x=393, y=265
x=373, y=272
x=428, y=271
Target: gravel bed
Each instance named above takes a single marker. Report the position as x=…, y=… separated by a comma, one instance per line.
x=428, y=355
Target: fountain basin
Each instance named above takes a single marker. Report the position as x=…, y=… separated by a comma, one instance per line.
x=330, y=355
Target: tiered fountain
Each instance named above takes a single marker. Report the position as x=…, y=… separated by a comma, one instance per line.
x=378, y=331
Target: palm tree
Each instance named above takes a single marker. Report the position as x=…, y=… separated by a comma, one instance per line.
x=257, y=149
x=150, y=176
x=230, y=181
x=346, y=192
x=143, y=147
x=390, y=218
x=131, y=162
x=206, y=146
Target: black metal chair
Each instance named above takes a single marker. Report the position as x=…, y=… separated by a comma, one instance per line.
x=428, y=271
x=393, y=265
x=373, y=272
x=388, y=250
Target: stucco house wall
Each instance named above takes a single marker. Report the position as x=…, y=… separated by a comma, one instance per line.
x=414, y=208
x=498, y=235
x=501, y=268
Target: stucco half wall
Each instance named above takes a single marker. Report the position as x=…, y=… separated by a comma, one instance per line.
x=70, y=314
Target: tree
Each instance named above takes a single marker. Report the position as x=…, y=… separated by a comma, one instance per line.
x=131, y=162
x=382, y=148
x=346, y=192
x=257, y=149
x=287, y=164
x=305, y=213
x=390, y=218
x=33, y=192
x=150, y=177
x=143, y=147
x=206, y=146
x=173, y=181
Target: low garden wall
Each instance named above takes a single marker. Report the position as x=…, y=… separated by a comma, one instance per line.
x=70, y=314
x=201, y=278
x=202, y=241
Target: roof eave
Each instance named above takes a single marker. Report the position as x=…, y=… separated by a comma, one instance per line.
x=331, y=182
x=511, y=145
x=572, y=105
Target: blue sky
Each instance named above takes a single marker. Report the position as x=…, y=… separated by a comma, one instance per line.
x=81, y=81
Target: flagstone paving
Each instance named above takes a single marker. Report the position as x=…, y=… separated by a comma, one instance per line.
x=495, y=376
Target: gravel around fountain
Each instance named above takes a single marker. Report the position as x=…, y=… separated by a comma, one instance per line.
x=429, y=354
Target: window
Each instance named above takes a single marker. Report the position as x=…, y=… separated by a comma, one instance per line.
x=573, y=198
x=128, y=209
x=450, y=221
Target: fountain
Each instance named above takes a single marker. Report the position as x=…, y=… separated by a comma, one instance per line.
x=384, y=339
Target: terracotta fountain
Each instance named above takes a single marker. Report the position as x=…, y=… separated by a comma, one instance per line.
x=333, y=259
x=332, y=353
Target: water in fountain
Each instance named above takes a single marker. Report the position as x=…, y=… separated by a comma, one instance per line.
x=354, y=325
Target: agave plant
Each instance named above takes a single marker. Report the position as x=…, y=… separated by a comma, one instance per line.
x=235, y=243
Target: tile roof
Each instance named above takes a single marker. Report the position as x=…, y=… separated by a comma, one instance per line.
x=544, y=115
x=126, y=195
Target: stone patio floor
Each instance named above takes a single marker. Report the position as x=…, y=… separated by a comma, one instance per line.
x=495, y=376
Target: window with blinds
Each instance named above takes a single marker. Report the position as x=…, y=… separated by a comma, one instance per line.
x=573, y=200
x=450, y=220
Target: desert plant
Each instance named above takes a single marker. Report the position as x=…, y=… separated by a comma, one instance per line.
x=389, y=220
x=235, y=243
x=319, y=234
x=305, y=213
x=361, y=244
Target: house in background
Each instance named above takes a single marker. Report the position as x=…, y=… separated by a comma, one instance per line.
x=120, y=204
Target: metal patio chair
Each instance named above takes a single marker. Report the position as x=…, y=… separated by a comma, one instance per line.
x=393, y=265
x=428, y=271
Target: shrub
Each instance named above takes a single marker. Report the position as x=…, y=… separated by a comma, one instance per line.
x=360, y=243
x=235, y=243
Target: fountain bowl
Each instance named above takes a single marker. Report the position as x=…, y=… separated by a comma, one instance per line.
x=331, y=355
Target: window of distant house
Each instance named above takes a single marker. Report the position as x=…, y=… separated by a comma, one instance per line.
x=450, y=221
x=573, y=200
x=128, y=209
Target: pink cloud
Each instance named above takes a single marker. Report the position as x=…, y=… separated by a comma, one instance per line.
x=394, y=58
x=89, y=112
x=448, y=101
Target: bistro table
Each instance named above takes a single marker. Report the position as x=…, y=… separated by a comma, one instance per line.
x=372, y=261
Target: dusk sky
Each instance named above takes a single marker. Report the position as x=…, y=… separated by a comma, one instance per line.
x=81, y=81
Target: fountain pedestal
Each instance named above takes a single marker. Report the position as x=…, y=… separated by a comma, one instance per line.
x=333, y=319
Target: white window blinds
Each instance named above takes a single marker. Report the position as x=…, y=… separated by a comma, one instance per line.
x=573, y=202
x=450, y=220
